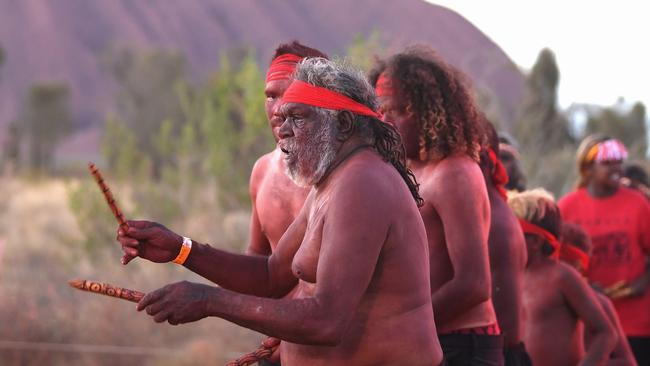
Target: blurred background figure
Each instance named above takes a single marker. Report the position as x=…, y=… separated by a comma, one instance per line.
x=575, y=249
x=556, y=299
x=635, y=177
x=508, y=254
x=617, y=220
x=509, y=156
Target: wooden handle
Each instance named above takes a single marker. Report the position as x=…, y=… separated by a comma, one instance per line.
x=108, y=195
x=108, y=290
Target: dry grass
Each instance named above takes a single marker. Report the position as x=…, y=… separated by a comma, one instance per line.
x=41, y=249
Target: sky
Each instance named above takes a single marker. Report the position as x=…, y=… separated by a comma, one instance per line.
x=602, y=47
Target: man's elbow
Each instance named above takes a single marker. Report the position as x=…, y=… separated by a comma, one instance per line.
x=326, y=332
x=477, y=291
x=608, y=335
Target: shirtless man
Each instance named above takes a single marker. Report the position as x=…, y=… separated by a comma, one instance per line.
x=357, y=251
x=276, y=201
x=555, y=297
x=507, y=254
x=575, y=250
x=425, y=99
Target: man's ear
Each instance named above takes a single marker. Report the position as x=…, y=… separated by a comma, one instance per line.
x=345, y=120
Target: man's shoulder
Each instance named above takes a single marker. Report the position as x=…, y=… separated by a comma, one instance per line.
x=455, y=176
x=457, y=162
x=503, y=220
x=263, y=161
x=568, y=275
x=263, y=165
x=370, y=178
x=633, y=195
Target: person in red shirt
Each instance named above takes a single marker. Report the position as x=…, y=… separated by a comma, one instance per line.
x=556, y=299
x=575, y=250
x=617, y=220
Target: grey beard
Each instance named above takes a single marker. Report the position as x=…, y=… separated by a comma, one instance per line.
x=315, y=158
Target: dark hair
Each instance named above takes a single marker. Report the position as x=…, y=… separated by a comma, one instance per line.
x=551, y=221
x=438, y=97
x=573, y=234
x=492, y=142
x=350, y=82
x=538, y=207
x=635, y=171
x=298, y=49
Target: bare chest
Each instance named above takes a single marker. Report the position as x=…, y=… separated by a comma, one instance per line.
x=278, y=203
x=305, y=262
x=542, y=298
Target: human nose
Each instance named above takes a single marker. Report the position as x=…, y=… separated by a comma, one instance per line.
x=285, y=130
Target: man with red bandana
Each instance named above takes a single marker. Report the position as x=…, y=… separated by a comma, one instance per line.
x=356, y=255
x=276, y=200
x=434, y=112
x=617, y=219
x=557, y=301
x=507, y=254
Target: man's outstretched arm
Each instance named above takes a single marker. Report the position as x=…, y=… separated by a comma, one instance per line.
x=255, y=275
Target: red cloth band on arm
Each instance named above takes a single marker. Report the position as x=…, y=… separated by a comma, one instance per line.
x=569, y=252
x=282, y=67
x=500, y=175
x=305, y=93
x=530, y=228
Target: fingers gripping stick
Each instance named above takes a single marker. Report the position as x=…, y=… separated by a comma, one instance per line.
x=108, y=195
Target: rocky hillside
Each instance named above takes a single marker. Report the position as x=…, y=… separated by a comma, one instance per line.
x=63, y=41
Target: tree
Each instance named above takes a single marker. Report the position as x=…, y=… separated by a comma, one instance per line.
x=234, y=126
x=363, y=51
x=540, y=124
x=542, y=131
x=47, y=120
x=627, y=124
x=148, y=94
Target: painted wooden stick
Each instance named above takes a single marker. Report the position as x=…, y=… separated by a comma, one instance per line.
x=108, y=290
x=108, y=195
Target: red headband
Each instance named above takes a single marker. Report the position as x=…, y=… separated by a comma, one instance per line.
x=282, y=67
x=608, y=150
x=530, y=228
x=571, y=253
x=383, y=87
x=500, y=175
x=305, y=93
